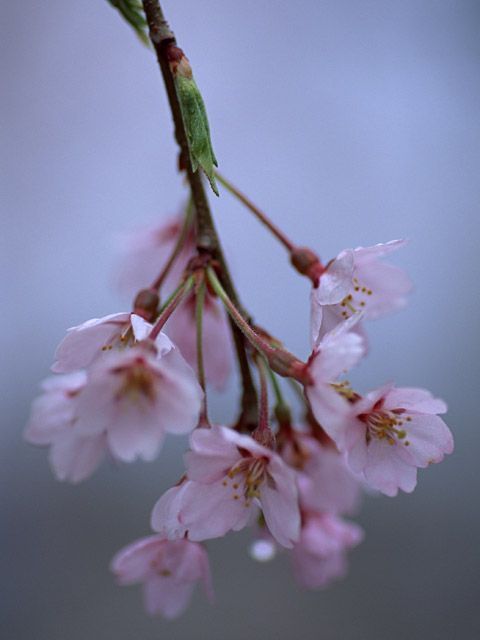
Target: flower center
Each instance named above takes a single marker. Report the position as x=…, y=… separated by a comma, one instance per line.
x=137, y=382
x=345, y=390
x=253, y=472
x=386, y=425
x=355, y=301
x=120, y=340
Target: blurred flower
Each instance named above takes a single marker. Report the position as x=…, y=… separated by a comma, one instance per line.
x=146, y=251
x=324, y=480
x=217, y=346
x=320, y=554
x=84, y=343
x=73, y=456
x=137, y=396
x=168, y=569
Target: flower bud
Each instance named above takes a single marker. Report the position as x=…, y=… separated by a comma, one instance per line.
x=146, y=304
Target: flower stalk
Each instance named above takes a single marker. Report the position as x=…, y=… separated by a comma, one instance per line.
x=174, y=301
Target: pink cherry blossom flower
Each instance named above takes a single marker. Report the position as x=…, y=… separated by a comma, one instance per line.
x=168, y=570
x=145, y=252
x=217, y=346
x=391, y=432
x=84, y=343
x=229, y=477
x=138, y=395
x=358, y=280
x=325, y=482
x=319, y=555
x=73, y=457
x=337, y=352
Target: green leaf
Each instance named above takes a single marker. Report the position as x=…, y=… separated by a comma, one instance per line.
x=132, y=11
x=196, y=124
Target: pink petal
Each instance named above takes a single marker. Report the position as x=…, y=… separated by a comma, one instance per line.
x=389, y=285
x=133, y=563
x=411, y=399
x=210, y=511
x=83, y=343
x=135, y=434
x=165, y=513
x=386, y=471
x=337, y=352
x=331, y=486
x=164, y=596
x=75, y=458
x=336, y=281
x=429, y=440
x=179, y=396
x=313, y=572
x=282, y=515
x=363, y=255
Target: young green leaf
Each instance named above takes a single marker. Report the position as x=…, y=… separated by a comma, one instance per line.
x=132, y=11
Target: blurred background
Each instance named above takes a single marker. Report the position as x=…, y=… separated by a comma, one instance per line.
x=351, y=122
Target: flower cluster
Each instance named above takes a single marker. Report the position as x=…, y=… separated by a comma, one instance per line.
x=124, y=381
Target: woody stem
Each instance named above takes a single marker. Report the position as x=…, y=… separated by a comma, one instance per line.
x=187, y=222
x=163, y=39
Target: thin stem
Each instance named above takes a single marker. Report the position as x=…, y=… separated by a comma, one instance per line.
x=257, y=341
x=199, y=307
x=258, y=213
x=180, y=294
x=163, y=40
x=187, y=223
x=278, y=358
x=281, y=402
x=170, y=298
x=263, y=413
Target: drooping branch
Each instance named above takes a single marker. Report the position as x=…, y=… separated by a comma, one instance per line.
x=169, y=55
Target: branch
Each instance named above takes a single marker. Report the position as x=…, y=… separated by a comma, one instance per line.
x=168, y=56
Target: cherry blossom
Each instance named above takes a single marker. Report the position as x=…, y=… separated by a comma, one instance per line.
x=337, y=352
x=217, y=347
x=392, y=431
x=168, y=570
x=229, y=477
x=325, y=482
x=84, y=343
x=145, y=252
x=73, y=456
x=358, y=280
x=138, y=395
x=319, y=555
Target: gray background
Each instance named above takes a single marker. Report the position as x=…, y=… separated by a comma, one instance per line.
x=351, y=122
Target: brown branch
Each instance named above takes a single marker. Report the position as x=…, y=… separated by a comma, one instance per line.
x=165, y=46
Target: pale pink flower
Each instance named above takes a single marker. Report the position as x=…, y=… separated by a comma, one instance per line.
x=320, y=554
x=138, y=395
x=146, y=251
x=337, y=352
x=217, y=346
x=358, y=280
x=84, y=343
x=325, y=482
x=392, y=431
x=168, y=570
x=73, y=457
x=229, y=477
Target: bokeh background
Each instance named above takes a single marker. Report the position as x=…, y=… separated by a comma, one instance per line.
x=352, y=122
